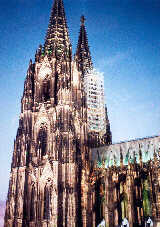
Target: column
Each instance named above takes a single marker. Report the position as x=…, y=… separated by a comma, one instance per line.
x=109, y=199
x=129, y=187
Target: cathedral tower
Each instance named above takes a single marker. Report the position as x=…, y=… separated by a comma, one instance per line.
x=50, y=166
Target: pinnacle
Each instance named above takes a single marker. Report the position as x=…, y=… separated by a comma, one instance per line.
x=83, y=20
x=57, y=34
x=83, y=55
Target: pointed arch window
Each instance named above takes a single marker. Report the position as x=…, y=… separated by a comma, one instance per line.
x=42, y=140
x=32, y=205
x=46, y=89
x=123, y=202
x=56, y=88
x=46, y=211
x=146, y=198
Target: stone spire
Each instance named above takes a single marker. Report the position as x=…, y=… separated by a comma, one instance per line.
x=108, y=136
x=83, y=56
x=57, y=36
x=27, y=99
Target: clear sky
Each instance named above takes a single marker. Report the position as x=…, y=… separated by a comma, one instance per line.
x=124, y=39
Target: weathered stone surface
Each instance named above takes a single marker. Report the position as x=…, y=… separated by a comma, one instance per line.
x=49, y=180
x=131, y=172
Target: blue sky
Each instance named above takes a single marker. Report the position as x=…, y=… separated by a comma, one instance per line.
x=124, y=39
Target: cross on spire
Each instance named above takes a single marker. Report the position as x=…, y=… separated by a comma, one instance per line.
x=83, y=20
x=83, y=55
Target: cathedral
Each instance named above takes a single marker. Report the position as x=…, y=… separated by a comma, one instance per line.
x=65, y=171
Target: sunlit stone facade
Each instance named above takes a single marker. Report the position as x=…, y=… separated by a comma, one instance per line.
x=65, y=173
x=126, y=179
x=49, y=180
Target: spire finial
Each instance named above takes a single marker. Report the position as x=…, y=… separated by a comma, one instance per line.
x=83, y=20
x=83, y=55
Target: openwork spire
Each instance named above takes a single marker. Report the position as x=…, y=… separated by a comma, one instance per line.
x=57, y=35
x=83, y=55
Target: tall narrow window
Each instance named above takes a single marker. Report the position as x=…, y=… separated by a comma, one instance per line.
x=56, y=89
x=32, y=205
x=42, y=140
x=46, y=213
x=146, y=199
x=46, y=89
x=124, y=205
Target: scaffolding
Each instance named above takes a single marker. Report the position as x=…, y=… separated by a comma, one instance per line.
x=94, y=89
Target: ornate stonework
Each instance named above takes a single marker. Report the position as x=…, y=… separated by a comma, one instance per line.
x=49, y=181
x=62, y=173
x=130, y=174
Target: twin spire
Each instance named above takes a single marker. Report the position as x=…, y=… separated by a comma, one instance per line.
x=57, y=37
x=83, y=55
x=57, y=34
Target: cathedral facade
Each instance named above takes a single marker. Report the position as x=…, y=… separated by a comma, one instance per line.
x=126, y=182
x=65, y=170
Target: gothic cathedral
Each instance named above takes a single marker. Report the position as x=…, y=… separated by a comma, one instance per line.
x=50, y=166
x=65, y=170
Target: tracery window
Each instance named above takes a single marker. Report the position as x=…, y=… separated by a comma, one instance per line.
x=46, y=211
x=46, y=89
x=124, y=200
x=42, y=140
x=146, y=198
x=32, y=205
x=56, y=89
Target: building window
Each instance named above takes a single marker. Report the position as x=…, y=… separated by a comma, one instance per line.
x=46, y=90
x=42, y=140
x=46, y=211
x=32, y=205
